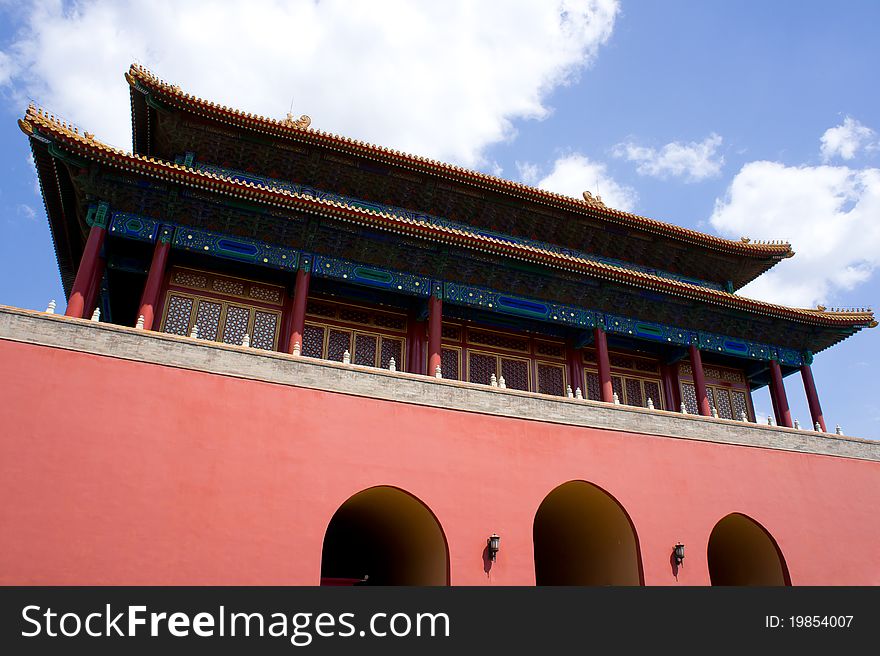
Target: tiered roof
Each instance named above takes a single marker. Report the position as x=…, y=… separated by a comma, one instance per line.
x=737, y=261
x=64, y=155
x=36, y=122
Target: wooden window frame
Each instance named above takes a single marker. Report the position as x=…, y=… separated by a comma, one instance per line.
x=221, y=322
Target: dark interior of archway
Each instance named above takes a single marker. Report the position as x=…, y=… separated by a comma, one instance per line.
x=742, y=553
x=583, y=537
x=388, y=536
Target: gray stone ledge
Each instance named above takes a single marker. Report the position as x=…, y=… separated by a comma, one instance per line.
x=56, y=331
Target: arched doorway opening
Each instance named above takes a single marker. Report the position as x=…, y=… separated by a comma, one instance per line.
x=583, y=536
x=384, y=536
x=742, y=552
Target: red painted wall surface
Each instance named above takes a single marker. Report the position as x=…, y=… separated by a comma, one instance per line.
x=115, y=472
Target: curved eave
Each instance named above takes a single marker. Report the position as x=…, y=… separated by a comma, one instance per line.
x=284, y=199
x=50, y=191
x=769, y=252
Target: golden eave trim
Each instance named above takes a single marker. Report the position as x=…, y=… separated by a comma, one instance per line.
x=88, y=145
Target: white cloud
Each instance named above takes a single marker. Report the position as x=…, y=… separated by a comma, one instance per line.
x=442, y=79
x=829, y=213
x=573, y=174
x=26, y=211
x=529, y=173
x=694, y=161
x=846, y=140
x=6, y=68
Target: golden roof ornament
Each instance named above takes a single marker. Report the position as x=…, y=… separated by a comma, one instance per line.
x=595, y=201
x=302, y=122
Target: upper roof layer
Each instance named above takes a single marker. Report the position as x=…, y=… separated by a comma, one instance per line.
x=39, y=125
x=737, y=261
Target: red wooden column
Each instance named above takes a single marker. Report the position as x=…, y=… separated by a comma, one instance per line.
x=575, y=368
x=812, y=397
x=699, y=381
x=435, y=325
x=286, y=322
x=94, y=288
x=420, y=364
x=669, y=374
x=415, y=331
x=85, y=275
x=300, y=299
x=777, y=392
x=150, y=297
x=605, y=387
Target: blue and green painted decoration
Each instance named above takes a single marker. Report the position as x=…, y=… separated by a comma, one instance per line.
x=370, y=276
x=131, y=226
x=235, y=248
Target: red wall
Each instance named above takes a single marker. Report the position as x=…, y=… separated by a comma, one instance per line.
x=114, y=472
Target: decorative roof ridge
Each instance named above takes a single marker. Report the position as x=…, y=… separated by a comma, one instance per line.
x=616, y=273
x=742, y=246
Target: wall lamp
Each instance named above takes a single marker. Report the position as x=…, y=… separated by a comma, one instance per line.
x=678, y=554
x=493, y=544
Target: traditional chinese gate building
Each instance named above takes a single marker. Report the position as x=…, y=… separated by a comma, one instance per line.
x=289, y=357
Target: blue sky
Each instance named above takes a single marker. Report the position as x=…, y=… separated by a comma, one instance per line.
x=735, y=118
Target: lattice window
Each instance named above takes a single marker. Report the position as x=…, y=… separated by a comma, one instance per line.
x=722, y=398
x=452, y=333
x=689, y=398
x=354, y=316
x=594, y=391
x=711, y=396
x=221, y=321
x=617, y=386
x=313, y=341
x=179, y=312
x=227, y=286
x=236, y=326
x=321, y=309
x=481, y=367
x=338, y=342
x=269, y=294
x=394, y=323
x=732, y=376
x=652, y=391
x=208, y=319
x=684, y=369
x=549, y=349
x=634, y=393
x=365, y=348
x=620, y=361
x=551, y=379
x=190, y=279
x=712, y=372
x=449, y=364
x=645, y=365
x=516, y=373
x=507, y=342
x=265, y=328
x=391, y=348
x=739, y=403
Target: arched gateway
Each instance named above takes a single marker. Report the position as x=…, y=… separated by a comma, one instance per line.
x=742, y=552
x=384, y=536
x=584, y=537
